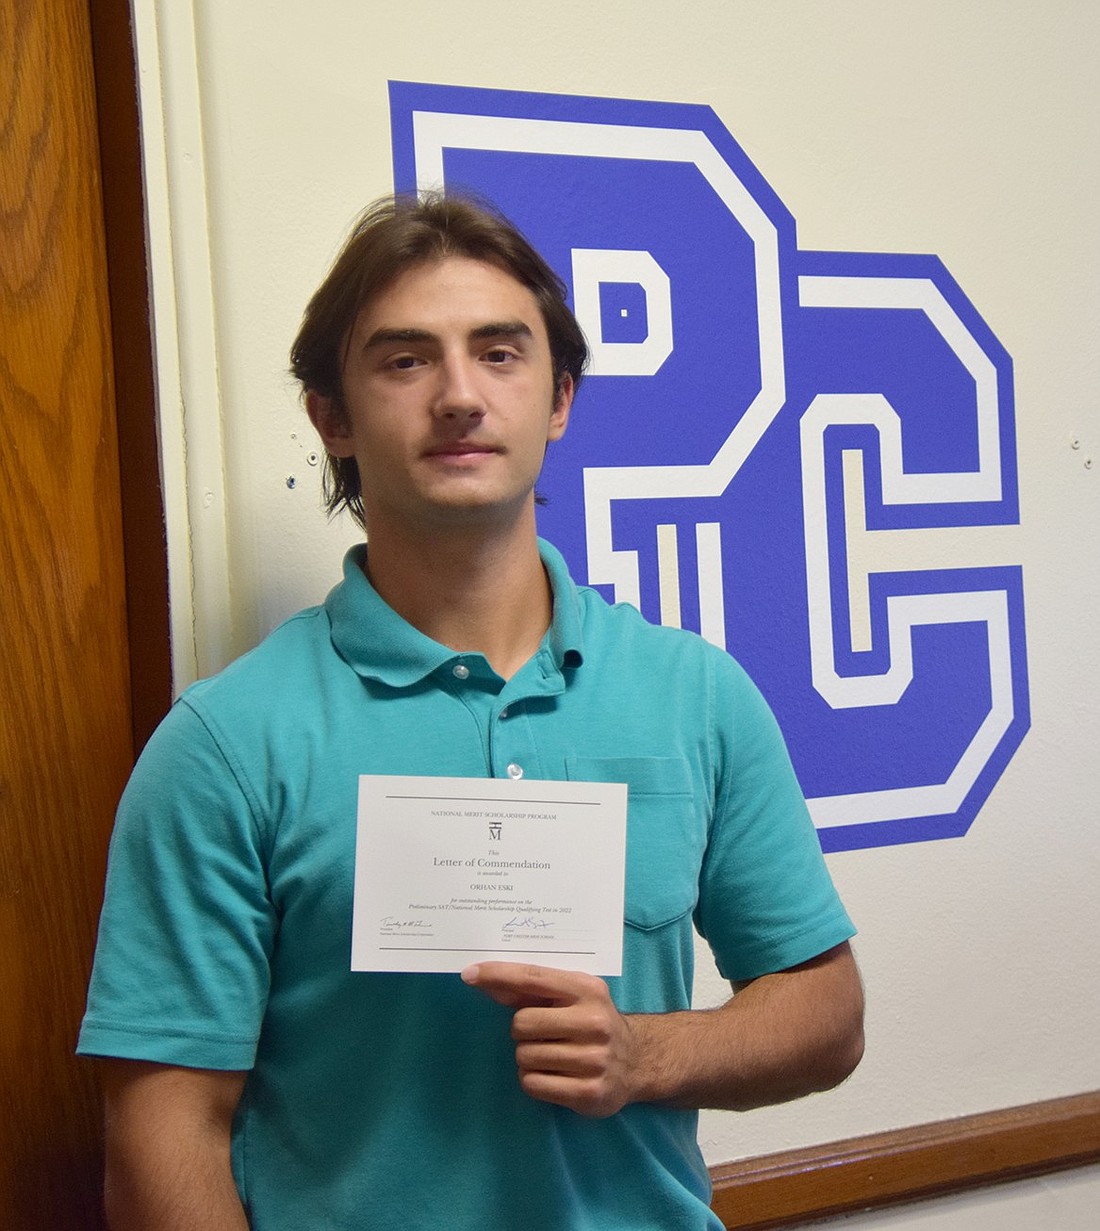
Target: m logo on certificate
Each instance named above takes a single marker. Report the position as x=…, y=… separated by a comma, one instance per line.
x=450, y=871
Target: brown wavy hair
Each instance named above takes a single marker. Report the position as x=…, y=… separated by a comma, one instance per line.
x=391, y=236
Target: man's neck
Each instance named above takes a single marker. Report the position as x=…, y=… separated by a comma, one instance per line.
x=469, y=590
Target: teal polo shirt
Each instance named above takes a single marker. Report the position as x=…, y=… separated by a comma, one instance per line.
x=382, y=1101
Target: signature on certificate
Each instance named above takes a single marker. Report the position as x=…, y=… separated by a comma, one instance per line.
x=526, y=921
x=394, y=923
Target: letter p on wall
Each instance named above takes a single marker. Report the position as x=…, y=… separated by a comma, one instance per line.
x=807, y=457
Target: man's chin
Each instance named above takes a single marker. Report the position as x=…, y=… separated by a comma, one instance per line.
x=478, y=507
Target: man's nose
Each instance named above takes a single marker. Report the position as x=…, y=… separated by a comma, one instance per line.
x=459, y=393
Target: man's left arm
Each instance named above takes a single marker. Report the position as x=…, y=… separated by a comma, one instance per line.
x=777, y=1038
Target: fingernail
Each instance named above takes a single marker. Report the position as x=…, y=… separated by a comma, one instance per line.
x=469, y=975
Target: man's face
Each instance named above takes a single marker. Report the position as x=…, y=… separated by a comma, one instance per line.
x=450, y=398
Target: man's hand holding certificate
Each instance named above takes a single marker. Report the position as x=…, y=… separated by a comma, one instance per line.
x=455, y=871
x=573, y=1046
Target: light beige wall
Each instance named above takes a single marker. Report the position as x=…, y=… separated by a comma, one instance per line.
x=1063, y=1202
x=958, y=127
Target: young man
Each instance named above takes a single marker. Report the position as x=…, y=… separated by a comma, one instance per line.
x=256, y=1080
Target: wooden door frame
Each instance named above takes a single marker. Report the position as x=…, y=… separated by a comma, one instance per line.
x=67, y=737
x=143, y=523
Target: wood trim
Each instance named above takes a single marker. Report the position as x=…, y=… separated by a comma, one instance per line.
x=929, y=1160
x=65, y=736
x=145, y=549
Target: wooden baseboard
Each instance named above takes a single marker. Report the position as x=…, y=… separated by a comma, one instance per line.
x=784, y=1190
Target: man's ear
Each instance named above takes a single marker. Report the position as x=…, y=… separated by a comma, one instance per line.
x=331, y=422
x=563, y=401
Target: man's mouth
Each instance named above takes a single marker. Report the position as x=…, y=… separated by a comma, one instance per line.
x=459, y=448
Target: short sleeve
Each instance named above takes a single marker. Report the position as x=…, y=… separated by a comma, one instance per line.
x=767, y=901
x=182, y=961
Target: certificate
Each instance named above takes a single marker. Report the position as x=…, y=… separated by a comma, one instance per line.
x=451, y=871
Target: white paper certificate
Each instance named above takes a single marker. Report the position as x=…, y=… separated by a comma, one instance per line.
x=450, y=871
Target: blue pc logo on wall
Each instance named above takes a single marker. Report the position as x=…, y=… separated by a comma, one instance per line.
x=804, y=456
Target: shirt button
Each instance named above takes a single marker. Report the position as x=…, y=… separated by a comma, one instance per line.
x=504, y=712
x=460, y=671
x=515, y=771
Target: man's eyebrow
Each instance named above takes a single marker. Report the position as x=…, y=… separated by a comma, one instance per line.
x=502, y=329
x=491, y=329
x=384, y=337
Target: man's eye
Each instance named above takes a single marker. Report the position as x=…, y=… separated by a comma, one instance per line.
x=402, y=363
x=499, y=355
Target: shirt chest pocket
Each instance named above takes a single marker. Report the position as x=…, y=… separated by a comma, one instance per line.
x=665, y=833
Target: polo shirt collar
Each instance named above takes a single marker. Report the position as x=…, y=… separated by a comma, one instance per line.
x=565, y=637
x=379, y=645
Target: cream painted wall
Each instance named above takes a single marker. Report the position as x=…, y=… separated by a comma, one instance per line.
x=1063, y=1202
x=965, y=128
